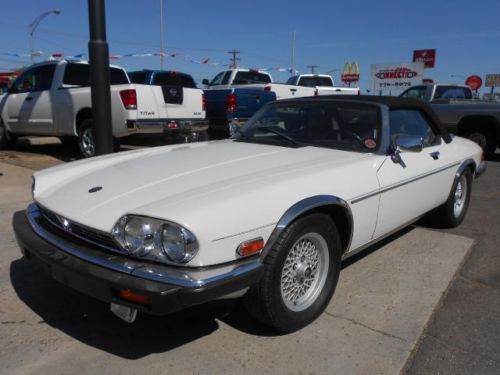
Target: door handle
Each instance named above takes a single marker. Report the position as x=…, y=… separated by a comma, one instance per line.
x=28, y=98
x=434, y=155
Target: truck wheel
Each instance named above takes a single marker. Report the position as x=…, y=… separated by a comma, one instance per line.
x=7, y=139
x=484, y=138
x=452, y=212
x=300, y=276
x=86, y=139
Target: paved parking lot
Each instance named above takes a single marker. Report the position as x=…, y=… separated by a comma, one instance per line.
x=425, y=299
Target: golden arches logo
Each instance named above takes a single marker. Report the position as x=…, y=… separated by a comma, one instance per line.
x=350, y=72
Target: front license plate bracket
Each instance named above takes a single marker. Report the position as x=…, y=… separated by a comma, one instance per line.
x=127, y=314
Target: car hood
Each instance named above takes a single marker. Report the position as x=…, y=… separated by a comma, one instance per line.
x=150, y=182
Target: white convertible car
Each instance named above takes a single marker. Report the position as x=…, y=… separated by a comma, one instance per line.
x=268, y=215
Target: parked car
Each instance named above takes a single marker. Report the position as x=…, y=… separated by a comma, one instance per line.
x=267, y=216
x=180, y=91
x=461, y=114
x=234, y=95
x=53, y=99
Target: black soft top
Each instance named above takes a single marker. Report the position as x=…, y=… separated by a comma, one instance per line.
x=393, y=102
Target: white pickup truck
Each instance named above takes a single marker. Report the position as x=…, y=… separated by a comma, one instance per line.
x=53, y=99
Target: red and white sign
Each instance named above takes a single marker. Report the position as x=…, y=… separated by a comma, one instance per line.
x=474, y=82
x=396, y=76
x=427, y=56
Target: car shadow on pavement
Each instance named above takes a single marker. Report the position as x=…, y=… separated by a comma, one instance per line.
x=91, y=322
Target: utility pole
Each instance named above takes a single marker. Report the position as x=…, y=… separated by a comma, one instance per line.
x=162, y=41
x=234, y=59
x=293, y=54
x=312, y=67
x=99, y=79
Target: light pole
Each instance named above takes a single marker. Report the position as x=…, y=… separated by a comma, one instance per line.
x=34, y=25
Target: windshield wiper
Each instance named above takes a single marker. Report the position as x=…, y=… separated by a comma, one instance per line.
x=273, y=130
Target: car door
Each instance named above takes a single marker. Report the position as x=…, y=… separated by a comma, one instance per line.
x=29, y=106
x=420, y=181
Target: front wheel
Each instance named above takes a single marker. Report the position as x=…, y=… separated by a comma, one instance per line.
x=301, y=273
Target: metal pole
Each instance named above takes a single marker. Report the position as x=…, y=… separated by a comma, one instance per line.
x=162, y=41
x=99, y=79
x=293, y=54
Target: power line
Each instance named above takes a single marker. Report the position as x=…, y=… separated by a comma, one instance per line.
x=234, y=59
x=312, y=67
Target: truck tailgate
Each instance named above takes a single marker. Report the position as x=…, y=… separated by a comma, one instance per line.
x=169, y=102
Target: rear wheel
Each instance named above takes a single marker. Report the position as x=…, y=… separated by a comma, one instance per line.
x=301, y=273
x=86, y=143
x=453, y=211
x=484, y=138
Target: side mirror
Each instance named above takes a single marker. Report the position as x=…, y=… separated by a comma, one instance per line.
x=205, y=82
x=409, y=143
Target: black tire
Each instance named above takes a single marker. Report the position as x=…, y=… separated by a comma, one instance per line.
x=484, y=138
x=446, y=216
x=7, y=140
x=266, y=301
x=202, y=136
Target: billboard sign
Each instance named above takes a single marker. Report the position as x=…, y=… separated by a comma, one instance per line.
x=350, y=72
x=426, y=56
x=492, y=80
x=474, y=82
x=396, y=76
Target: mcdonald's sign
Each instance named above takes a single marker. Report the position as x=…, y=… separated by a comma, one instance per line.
x=350, y=72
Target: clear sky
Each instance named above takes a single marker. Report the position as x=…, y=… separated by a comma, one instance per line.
x=465, y=33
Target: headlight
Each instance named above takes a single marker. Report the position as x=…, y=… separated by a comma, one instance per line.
x=155, y=239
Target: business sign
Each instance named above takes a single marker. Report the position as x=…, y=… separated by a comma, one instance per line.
x=474, y=82
x=492, y=80
x=426, y=56
x=396, y=76
x=350, y=72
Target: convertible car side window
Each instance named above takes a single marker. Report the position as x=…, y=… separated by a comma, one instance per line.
x=412, y=122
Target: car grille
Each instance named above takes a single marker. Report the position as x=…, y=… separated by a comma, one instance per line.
x=79, y=231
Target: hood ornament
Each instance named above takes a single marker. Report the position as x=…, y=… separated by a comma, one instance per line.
x=95, y=189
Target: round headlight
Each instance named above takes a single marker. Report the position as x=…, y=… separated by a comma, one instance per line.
x=135, y=236
x=177, y=243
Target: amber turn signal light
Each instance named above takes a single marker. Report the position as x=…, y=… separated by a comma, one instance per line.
x=250, y=247
x=132, y=296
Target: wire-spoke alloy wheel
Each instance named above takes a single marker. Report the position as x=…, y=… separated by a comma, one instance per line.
x=304, y=272
x=301, y=270
x=460, y=196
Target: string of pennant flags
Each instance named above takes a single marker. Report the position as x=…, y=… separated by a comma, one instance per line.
x=115, y=57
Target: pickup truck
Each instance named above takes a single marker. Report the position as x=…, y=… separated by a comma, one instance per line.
x=234, y=95
x=53, y=99
x=183, y=93
x=478, y=120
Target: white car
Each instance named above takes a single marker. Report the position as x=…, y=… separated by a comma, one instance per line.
x=267, y=216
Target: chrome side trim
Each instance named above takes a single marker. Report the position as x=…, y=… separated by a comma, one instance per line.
x=303, y=206
x=464, y=165
x=374, y=241
x=179, y=276
x=401, y=183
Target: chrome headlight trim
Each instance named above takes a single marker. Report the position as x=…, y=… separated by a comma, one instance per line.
x=144, y=238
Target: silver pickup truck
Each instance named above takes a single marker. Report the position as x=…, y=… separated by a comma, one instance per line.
x=461, y=114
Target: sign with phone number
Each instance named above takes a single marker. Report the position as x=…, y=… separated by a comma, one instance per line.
x=396, y=76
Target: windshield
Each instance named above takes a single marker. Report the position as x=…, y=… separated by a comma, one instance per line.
x=331, y=124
